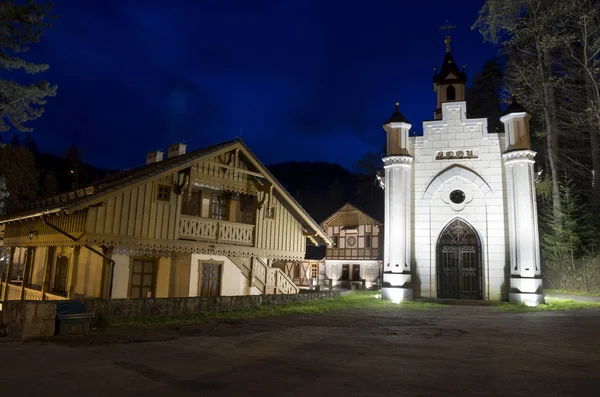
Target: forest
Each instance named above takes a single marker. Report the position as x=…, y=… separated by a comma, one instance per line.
x=549, y=57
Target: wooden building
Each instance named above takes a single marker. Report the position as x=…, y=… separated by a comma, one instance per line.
x=205, y=223
x=353, y=260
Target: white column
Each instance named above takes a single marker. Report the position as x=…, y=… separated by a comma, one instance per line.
x=397, y=249
x=524, y=244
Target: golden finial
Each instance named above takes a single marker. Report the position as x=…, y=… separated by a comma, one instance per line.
x=447, y=27
x=397, y=106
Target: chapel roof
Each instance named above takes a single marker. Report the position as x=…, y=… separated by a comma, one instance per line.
x=514, y=107
x=396, y=117
x=449, y=72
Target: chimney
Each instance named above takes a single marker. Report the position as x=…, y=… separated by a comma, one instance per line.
x=154, y=156
x=176, y=149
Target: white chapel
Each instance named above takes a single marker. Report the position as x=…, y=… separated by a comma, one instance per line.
x=460, y=209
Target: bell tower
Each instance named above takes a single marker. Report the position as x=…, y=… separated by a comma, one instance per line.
x=449, y=83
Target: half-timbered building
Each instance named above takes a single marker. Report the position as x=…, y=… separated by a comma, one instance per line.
x=205, y=223
x=355, y=256
x=353, y=260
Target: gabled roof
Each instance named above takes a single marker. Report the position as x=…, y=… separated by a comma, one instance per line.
x=345, y=209
x=96, y=192
x=449, y=71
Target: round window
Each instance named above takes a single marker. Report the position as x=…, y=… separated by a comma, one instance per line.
x=351, y=241
x=457, y=196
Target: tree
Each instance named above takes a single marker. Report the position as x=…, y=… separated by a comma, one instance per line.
x=525, y=31
x=29, y=144
x=50, y=184
x=17, y=166
x=485, y=97
x=15, y=141
x=20, y=26
x=563, y=241
x=3, y=190
x=368, y=195
x=73, y=155
x=580, y=41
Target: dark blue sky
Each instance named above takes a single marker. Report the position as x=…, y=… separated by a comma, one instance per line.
x=297, y=80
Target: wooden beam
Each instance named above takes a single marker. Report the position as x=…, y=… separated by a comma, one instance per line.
x=45, y=280
x=231, y=167
x=9, y=271
x=73, y=272
x=26, y=269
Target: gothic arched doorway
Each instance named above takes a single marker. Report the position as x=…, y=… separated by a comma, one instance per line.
x=459, y=262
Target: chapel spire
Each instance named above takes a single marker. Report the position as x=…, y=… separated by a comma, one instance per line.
x=449, y=83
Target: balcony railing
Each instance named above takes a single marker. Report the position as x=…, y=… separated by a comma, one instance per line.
x=195, y=228
x=29, y=294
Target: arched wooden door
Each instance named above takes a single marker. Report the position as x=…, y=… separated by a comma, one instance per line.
x=459, y=262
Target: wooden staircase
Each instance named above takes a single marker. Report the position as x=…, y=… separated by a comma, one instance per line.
x=268, y=280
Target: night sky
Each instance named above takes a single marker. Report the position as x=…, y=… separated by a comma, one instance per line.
x=297, y=80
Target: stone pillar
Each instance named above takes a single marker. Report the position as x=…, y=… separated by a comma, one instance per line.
x=396, y=269
x=398, y=191
x=524, y=244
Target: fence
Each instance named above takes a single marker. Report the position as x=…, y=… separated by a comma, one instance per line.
x=581, y=275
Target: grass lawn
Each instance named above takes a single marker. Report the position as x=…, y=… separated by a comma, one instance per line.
x=570, y=292
x=551, y=305
x=355, y=300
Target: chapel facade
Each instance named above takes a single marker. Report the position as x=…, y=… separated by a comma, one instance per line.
x=460, y=209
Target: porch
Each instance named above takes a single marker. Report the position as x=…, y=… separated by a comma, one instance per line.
x=12, y=292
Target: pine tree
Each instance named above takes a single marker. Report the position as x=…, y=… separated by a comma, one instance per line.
x=50, y=184
x=562, y=240
x=3, y=190
x=483, y=99
x=20, y=26
x=525, y=31
x=17, y=166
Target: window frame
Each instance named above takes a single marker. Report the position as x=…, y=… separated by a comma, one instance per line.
x=369, y=239
x=219, y=200
x=161, y=195
x=270, y=212
x=154, y=275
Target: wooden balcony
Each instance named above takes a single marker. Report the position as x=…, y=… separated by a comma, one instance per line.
x=13, y=293
x=203, y=229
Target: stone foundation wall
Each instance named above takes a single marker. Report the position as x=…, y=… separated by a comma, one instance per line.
x=29, y=319
x=185, y=306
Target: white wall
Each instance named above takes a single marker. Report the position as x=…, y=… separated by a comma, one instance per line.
x=233, y=281
x=486, y=211
x=121, y=276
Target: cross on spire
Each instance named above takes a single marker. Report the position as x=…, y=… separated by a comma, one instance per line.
x=447, y=27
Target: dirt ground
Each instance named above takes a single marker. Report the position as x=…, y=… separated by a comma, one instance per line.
x=446, y=351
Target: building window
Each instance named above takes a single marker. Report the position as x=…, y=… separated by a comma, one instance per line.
x=335, y=241
x=270, y=213
x=218, y=207
x=314, y=270
x=163, y=193
x=60, y=275
x=368, y=240
x=142, y=278
x=450, y=93
x=247, y=209
x=190, y=205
